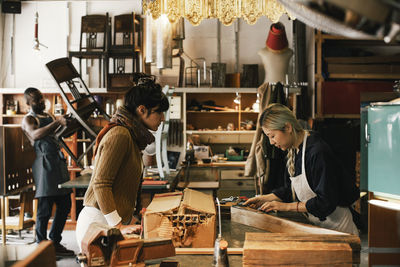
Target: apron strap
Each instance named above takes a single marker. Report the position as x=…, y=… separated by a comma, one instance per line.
x=303, y=165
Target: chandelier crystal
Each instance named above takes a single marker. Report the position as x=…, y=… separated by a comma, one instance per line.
x=227, y=11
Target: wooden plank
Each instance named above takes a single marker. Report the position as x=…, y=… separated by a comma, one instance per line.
x=363, y=76
x=205, y=251
x=352, y=240
x=275, y=224
x=361, y=69
x=363, y=60
x=295, y=252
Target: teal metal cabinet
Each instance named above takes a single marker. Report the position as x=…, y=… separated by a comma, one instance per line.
x=383, y=137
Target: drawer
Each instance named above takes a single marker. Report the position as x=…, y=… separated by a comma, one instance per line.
x=232, y=174
x=199, y=174
x=237, y=184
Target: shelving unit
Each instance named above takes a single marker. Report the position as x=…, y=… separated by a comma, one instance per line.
x=345, y=68
x=205, y=123
x=50, y=95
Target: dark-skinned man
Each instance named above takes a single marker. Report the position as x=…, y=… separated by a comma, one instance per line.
x=49, y=170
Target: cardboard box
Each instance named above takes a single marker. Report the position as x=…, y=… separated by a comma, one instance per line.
x=187, y=217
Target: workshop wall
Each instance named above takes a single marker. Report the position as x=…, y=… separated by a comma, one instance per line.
x=59, y=30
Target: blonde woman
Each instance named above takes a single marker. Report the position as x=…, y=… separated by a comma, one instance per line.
x=316, y=182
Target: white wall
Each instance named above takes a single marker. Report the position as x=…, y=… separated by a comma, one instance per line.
x=201, y=41
x=59, y=29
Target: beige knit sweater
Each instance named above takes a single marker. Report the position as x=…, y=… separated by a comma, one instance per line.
x=117, y=174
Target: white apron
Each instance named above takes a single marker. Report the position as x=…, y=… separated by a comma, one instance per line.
x=340, y=219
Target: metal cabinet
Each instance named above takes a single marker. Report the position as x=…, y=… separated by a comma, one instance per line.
x=383, y=137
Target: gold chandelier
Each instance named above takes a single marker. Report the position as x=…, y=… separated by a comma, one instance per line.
x=225, y=10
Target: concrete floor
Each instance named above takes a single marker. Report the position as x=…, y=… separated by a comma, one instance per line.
x=234, y=233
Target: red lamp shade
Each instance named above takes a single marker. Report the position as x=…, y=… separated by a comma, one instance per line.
x=277, y=40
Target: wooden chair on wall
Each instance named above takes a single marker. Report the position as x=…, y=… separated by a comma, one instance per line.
x=93, y=43
x=127, y=45
x=81, y=105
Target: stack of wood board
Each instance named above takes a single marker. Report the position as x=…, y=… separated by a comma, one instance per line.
x=269, y=249
x=306, y=242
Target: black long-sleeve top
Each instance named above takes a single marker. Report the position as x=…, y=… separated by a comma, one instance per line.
x=326, y=176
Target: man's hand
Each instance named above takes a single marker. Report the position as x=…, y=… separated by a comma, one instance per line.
x=64, y=120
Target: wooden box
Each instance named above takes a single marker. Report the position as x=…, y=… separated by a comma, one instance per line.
x=187, y=218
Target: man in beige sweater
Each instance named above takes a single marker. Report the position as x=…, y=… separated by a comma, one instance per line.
x=111, y=196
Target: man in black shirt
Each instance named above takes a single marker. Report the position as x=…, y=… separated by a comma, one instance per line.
x=49, y=170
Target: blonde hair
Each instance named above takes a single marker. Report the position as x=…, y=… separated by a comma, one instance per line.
x=275, y=117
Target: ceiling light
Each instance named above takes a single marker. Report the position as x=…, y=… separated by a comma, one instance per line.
x=227, y=11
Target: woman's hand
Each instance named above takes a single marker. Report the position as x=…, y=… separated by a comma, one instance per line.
x=257, y=202
x=274, y=206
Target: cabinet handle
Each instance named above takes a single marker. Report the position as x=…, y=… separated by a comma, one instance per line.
x=239, y=183
x=240, y=174
x=366, y=133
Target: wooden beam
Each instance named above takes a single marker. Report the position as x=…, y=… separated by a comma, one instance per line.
x=205, y=251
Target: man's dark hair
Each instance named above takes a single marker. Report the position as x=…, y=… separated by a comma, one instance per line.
x=29, y=92
x=147, y=93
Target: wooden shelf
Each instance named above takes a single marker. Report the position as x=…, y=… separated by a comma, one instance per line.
x=341, y=116
x=14, y=116
x=221, y=132
x=336, y=37
x=221, y=112
x=363, y=76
